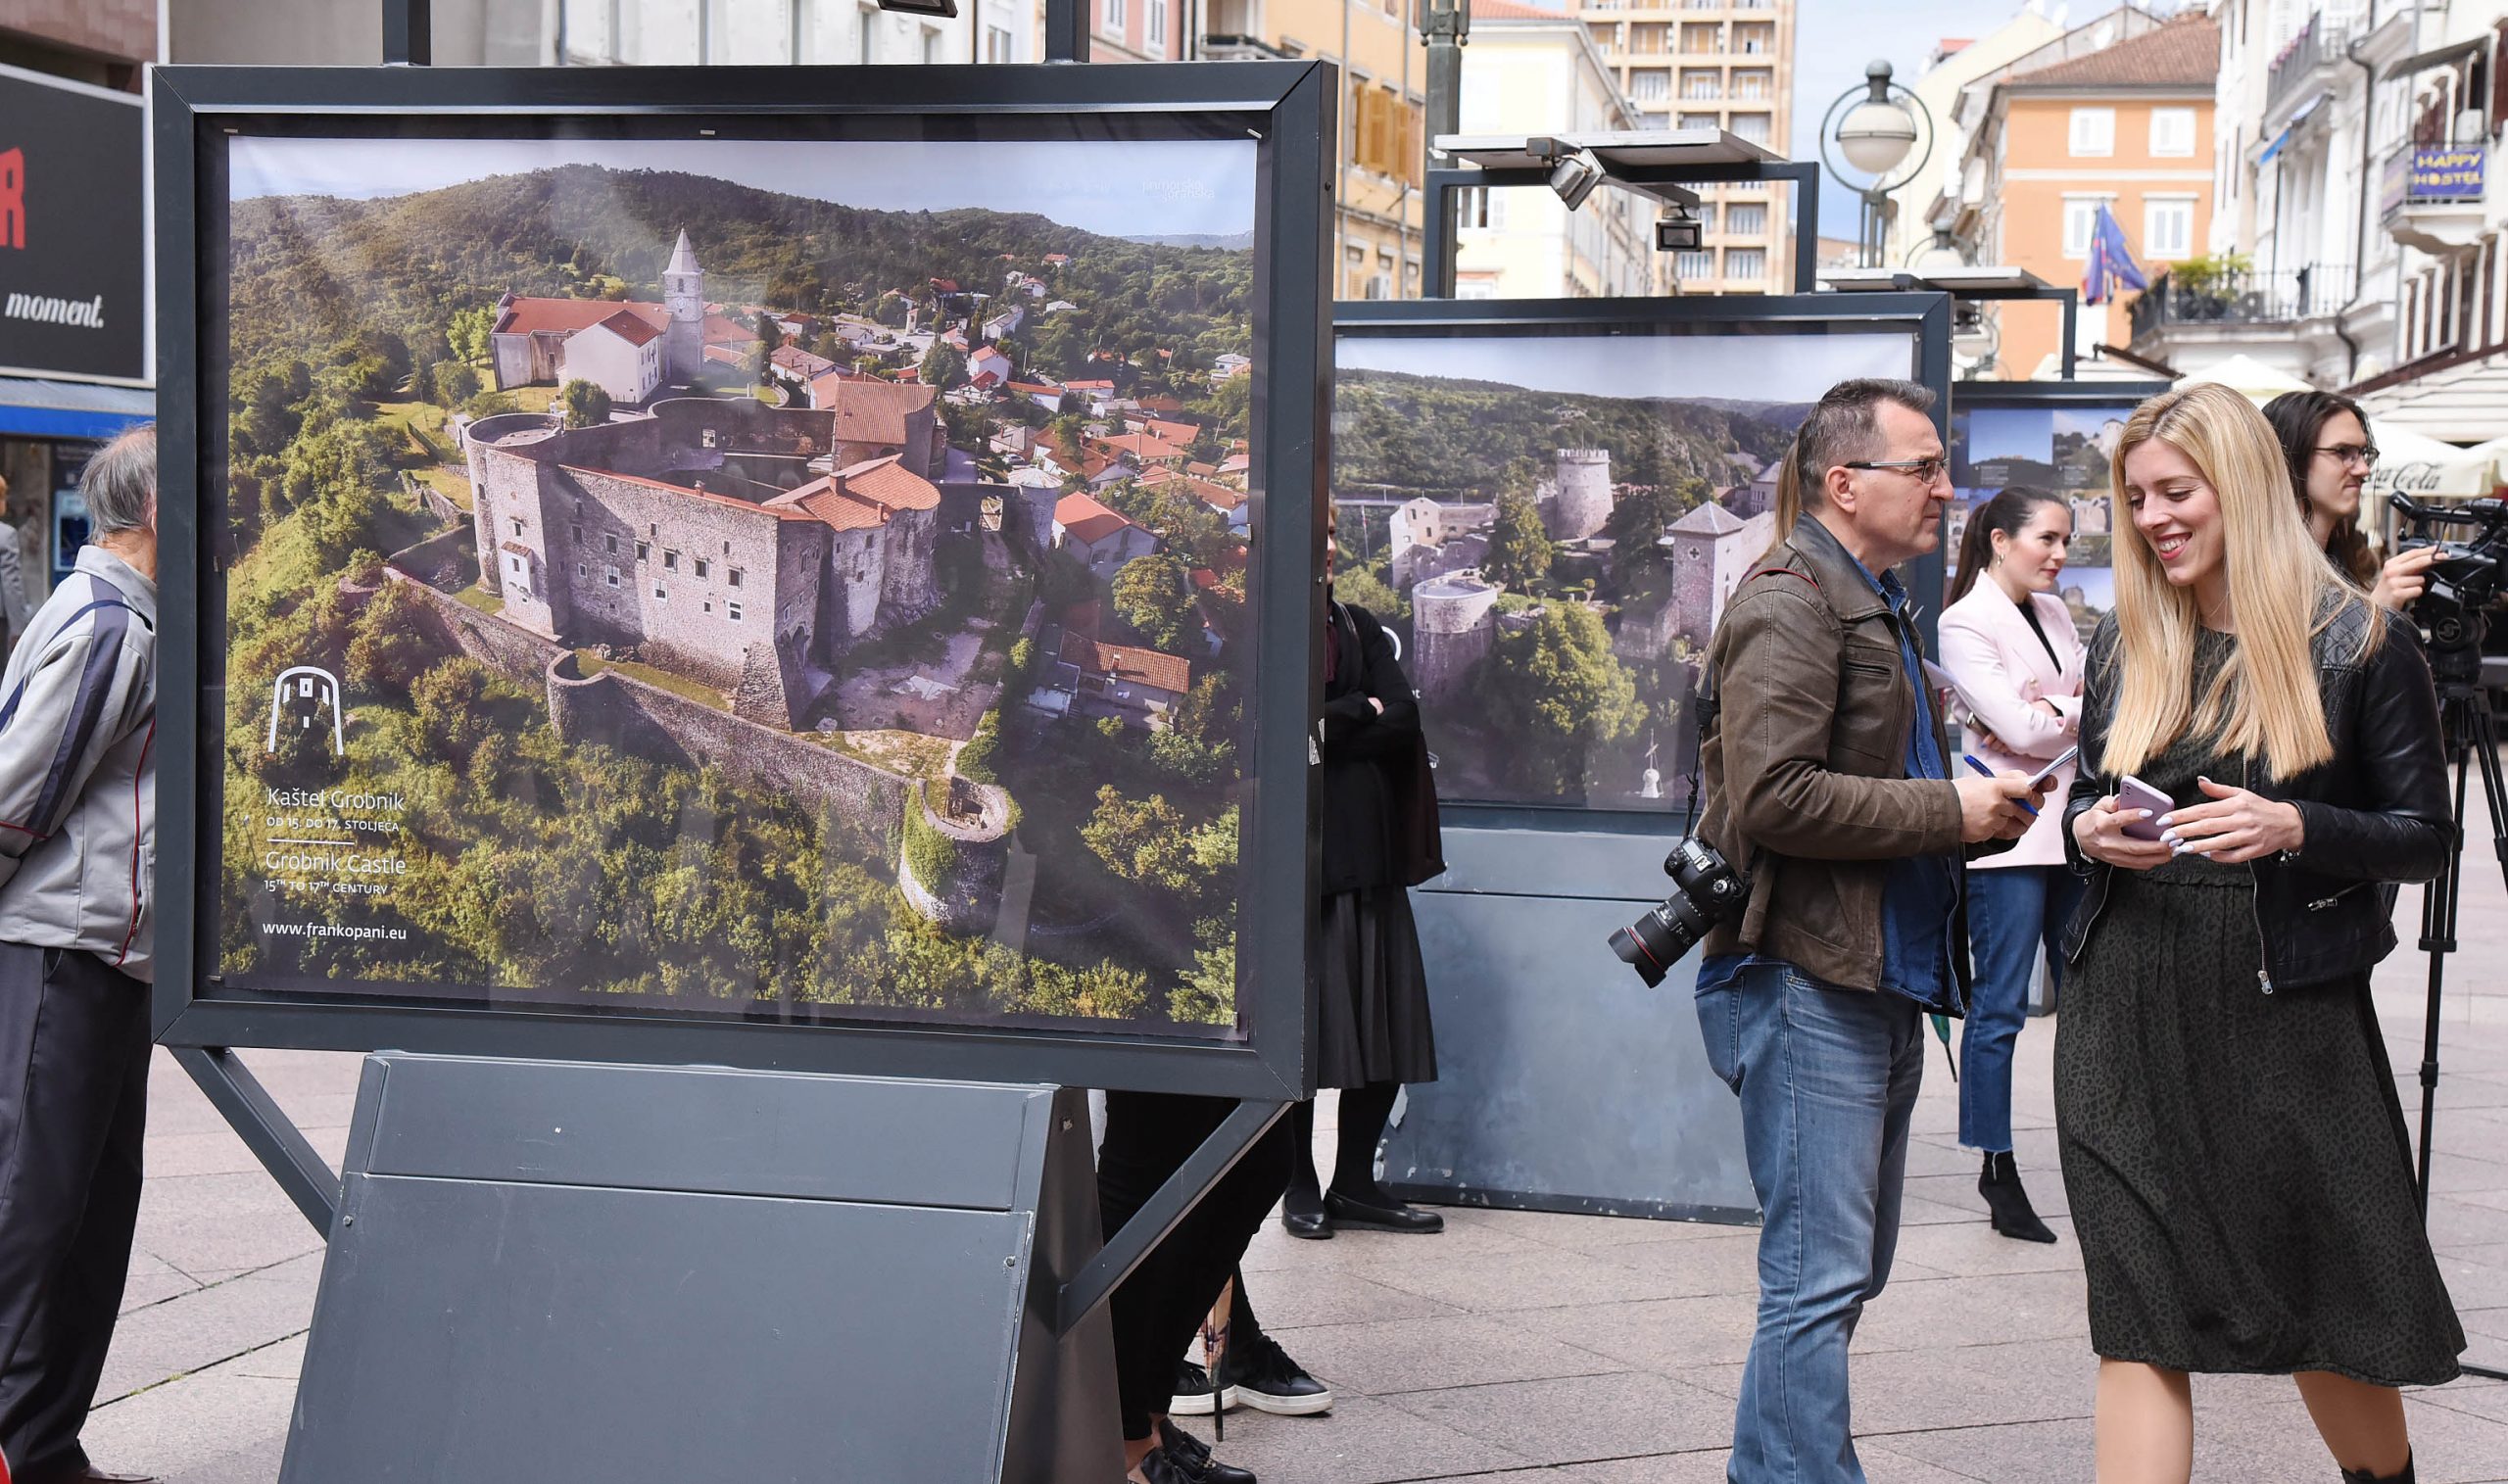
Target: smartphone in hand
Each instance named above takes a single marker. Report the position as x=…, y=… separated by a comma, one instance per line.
x=2134, y=794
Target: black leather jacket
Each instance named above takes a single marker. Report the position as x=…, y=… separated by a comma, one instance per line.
x=2379, y=812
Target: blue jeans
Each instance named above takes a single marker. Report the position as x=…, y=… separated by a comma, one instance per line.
x=2012, y=913
x=1828, y=1080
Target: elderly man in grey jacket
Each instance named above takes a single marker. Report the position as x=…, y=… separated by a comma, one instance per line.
x=78, y=863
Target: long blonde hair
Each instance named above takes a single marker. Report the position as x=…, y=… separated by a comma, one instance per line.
x=2282, y=594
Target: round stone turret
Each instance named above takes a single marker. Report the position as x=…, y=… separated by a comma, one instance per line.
x=1585, y=493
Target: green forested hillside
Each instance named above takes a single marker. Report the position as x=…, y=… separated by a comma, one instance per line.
x=308, y=273
x=1396, y=432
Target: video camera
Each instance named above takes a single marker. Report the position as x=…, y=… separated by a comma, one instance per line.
x=2463, y=583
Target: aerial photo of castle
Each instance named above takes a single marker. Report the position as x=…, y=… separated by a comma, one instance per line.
x=880, y=560
x=1552, y=527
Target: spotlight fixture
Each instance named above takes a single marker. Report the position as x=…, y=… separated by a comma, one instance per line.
x=1680, y=232
x=1574, y=177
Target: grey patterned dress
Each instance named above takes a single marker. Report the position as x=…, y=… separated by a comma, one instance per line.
x=2238, y=1164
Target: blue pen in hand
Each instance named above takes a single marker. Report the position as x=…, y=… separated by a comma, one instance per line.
x=1970, y=759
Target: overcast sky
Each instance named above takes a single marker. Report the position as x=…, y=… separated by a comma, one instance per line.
x=1128, y=189
x=1834, y=40
x=1740, y=367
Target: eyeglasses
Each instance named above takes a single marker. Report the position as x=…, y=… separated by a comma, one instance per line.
x=1927, y=471
x=2365, y=455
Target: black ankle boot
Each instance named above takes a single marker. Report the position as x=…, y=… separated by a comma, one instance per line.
x=2009, y=1204
x=2363, y=1476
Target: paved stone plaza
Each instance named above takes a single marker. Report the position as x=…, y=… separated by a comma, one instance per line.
x=1513, y=1346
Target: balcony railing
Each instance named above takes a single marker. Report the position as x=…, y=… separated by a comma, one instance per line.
x=2281, y=297
x=2319, y=43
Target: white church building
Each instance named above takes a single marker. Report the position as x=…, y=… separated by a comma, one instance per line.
x=630, y=349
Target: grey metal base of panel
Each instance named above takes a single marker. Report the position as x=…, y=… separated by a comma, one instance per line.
x=1564, y=1083
x=550, y=1270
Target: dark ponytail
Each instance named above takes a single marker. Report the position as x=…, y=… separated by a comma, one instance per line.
x=2299, y=419
x=2007, y=512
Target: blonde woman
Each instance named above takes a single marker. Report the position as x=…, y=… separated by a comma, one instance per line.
x=2239, y=1173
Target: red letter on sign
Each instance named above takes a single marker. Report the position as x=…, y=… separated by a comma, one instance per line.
x=13, y=198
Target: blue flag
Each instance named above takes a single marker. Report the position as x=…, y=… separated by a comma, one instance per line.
x=2111, y=263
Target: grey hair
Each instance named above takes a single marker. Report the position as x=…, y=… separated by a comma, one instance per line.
x=1844, y=424
x=121, y=483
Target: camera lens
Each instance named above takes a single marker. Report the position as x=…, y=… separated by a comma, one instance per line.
x=1632, y=945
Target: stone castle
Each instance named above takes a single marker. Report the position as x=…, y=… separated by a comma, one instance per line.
x=743, y=546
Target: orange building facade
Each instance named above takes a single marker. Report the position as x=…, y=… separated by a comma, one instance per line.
x=2129, y=128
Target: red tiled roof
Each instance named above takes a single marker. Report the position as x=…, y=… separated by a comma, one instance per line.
x=875, y=411
x=1218, y=497
x=1171, y=432
x=1085, y=520
x=1088, y=386
x=2183, y=53
x=1127, y=662
x=564, y=316
x=891, y=482
x=1036, y=388
x=793, y=357
x=514, y=547
x=631, y=329
x=861, y=497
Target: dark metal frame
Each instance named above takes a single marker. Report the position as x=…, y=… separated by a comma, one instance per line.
x=1444, y=184
x=2029, y=293
x=1923, y=315
x=1287, y=105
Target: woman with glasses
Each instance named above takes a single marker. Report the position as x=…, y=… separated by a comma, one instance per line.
x=2240, y=1170
x=2325, y=438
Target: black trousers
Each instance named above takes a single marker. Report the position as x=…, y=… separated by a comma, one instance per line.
x=74, y=1107
x=1156, y=1311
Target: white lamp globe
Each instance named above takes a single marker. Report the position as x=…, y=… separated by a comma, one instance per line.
x=1876, y=135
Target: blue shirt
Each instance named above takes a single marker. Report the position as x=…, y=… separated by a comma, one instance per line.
x=1920, y=896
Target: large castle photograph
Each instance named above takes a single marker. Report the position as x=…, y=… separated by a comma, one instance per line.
x=1551, y=526
x=784, y=579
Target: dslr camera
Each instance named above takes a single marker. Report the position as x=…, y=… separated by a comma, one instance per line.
x=1706, y=890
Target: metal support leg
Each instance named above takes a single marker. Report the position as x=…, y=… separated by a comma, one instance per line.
x=408, y=32
x=1150, y=1226
x=267, y=1131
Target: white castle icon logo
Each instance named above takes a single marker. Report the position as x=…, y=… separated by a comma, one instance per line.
x=306, y=691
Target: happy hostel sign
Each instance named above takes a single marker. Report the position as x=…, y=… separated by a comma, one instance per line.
x=73, y=247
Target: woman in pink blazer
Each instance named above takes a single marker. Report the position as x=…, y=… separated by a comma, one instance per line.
x=2010, y=643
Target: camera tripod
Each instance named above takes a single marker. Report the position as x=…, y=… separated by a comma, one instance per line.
x=2472, y=734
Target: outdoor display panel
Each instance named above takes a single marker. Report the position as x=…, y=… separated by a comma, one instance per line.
x=1549, y=502
x=2052, y=436
x=691, y=569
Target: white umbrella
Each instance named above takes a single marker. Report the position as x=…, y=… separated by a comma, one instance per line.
x=2424, y=468
x=2258, y=382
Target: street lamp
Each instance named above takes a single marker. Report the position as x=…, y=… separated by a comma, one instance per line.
x=1883, y=124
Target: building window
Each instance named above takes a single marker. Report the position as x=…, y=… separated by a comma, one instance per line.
x=1154, y=24
x=1694, y=264
x=703, y=567
x=670, y=559
x=661, y=594
x=1651, y=85
x=1746, y=219
x=731, y=608
x=1755, y=39
x=732, y=576
x=1115, y=16
x=2168, y=226
x=1706, y=214
x=1702, y=122
x=1484, y=208
x=2081, y=214
x=610, y=576
x=2173, y=132
x=1698, y=85
x=1754, y=87
x=644, y=550
x=1746, y=263
x=517, y=526
x=610, y=545
x=1752, y=126
x=581, y=570
x=930, y=47
x=996, y=44
x=2093, y=131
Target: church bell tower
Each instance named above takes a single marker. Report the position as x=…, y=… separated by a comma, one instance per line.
x=684, y=301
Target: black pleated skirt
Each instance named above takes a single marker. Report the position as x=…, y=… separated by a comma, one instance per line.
x=1373, y=1010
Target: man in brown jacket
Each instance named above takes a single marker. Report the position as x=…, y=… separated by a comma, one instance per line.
x=1829, y=782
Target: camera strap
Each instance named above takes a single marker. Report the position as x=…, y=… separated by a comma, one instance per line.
x=1704, y=705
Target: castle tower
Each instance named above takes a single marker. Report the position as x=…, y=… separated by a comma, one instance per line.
x=1585, y=493
x=1453, y=622
x=684, y=300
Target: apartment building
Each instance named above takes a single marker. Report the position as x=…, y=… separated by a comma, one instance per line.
x=1377, y=247
x=1954, y=64
x=2116, y=113
x=1714, y=63
x=1530, y=70
x=2362, y=242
